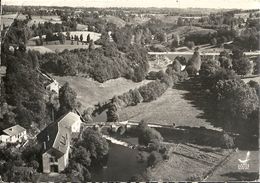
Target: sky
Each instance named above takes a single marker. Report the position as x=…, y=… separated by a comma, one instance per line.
x=239, y=4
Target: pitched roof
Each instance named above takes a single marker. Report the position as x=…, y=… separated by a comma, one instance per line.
x=69, y=119
x=14, y=130
x=55, y=139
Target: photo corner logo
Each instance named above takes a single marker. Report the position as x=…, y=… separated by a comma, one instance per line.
x=243, y=164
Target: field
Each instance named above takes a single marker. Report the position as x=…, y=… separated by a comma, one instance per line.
x=229, y=171
x=41, y=49
x=115, y=20
x=187, y=162
x=168, y=19
x=8, y=19
x=41, y=19
x=55, y=46
x=93, y=35
x=170, y=108
x=91, y=92
x=187, y=30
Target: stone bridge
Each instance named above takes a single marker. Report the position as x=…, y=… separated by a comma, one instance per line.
x=127, y=124
x=188, y=54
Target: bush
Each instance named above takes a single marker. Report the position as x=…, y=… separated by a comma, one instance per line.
x=152, y=90
x=191, y=70
x=189, y=44
x=154, y=158
x=182, y=60
x=255, y=85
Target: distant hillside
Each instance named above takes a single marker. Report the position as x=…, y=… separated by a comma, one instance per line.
x=115, y=20
x=187, y=30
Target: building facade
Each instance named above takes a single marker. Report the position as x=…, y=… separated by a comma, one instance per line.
x=13, y=134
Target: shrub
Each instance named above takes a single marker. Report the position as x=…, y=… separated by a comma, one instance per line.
x=191, y=70
x=255, y=85
x=152, y=90
x=228, y=141
x=182, y=60
x=154, y=158
x=242, y=66
x=189, y=44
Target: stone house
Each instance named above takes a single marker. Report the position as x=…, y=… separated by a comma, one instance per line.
x=13, y=134
x=55, y=142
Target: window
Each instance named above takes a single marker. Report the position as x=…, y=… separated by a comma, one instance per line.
x=53, y=159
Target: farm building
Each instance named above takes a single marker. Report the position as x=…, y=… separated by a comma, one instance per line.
x=13, y=134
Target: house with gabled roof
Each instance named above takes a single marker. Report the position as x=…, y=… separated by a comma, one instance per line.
x=55, y=145
x=13, y=134
x=55, y=142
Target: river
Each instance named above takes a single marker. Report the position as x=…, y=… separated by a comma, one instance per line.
x=121, y=166
x=122, y=162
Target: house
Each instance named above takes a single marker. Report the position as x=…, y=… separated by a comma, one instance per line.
x=53, y=86
x=49, y=83
x=55, y=145
x=71, y=121
x=55, y=142
x=13, y=134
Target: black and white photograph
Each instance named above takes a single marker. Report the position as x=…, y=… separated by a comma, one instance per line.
x=130, y=91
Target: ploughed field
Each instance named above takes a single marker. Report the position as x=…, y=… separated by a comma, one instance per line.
x=91, y=92
x=188, y=162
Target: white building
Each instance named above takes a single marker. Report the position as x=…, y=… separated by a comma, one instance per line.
x=53, y=86
x=13, y=134
x=71, y=121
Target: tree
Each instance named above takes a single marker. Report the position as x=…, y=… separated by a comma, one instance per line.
x=81, y=155
x=95, y=143
x=68, y=35
x=112, y=115
x=236, y=98
x=88, y=38
x=242, y=66
x=91, y=45
x=81, y=37
x=213, y=41
x=148, y=135
x=228, y=140
x=67, y=98
x=194, y=63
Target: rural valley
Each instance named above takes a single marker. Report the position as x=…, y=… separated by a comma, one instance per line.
x=91, y=94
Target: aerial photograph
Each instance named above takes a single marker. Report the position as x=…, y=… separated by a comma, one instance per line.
x=129, y=91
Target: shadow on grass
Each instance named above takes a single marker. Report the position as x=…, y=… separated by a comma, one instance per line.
x=242, y=176
x=203, y=100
